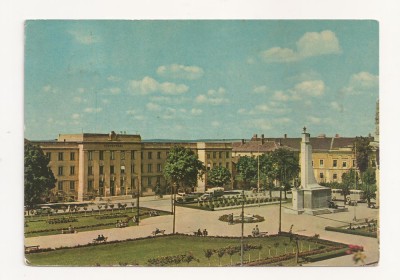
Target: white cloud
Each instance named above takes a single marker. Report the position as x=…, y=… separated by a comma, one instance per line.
x=307, y=89
x=260, y=89
x=177, y=71
x=131, y=112
x=105, y=101
x=49, y=89
x=310, y=44
x=81, y=90
x=213, y=97
x=93, y=110
x=314, y=120
x=362, y=82
x=149, y=85
x=196, y=112
x=281, y=96
x=113, y=78
x=153, y=106
x=260, y=124
x=111, y=91
x=85, y=38
x=139, y=117
x=215, y=124
x=75, y=116
x=336, y=106
x=283, y=120
x=242, y=111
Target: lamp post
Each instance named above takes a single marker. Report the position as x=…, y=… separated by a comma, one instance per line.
x=241, y=239
x=355, y=181
x=174, y=209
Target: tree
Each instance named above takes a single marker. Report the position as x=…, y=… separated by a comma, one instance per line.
x=247, y=170
x=362, y=150
x=348, y=181
x=183, y=167
x=219, y=176
x=266, y=172
x=368, y=185
x=38, y=177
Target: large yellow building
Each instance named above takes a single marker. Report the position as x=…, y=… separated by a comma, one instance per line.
x=331, y=156
x=116, y=165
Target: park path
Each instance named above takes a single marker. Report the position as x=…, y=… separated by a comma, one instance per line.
x=189, y=220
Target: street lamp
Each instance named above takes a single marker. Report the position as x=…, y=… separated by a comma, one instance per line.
x=241, y=239
x=174, y=204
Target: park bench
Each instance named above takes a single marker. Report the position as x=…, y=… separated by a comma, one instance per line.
x=161, y=231
x=68, y=231
x=100, y=240
x=29, y=249
x=153, y=213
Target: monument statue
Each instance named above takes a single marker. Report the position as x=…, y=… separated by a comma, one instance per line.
x=310, y=197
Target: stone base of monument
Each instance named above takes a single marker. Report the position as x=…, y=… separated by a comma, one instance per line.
x=313, y=200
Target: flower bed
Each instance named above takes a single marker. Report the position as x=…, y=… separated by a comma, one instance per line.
x=352, y=231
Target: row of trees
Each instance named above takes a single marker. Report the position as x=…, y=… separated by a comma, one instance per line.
x=278, y=168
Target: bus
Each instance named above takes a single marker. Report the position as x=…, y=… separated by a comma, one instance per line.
x=354, y=196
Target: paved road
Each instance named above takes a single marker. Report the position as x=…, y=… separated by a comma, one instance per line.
x=189, y=220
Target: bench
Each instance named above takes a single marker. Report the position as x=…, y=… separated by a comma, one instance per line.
x=97, y=241
x=161, y=231
x=29, y=249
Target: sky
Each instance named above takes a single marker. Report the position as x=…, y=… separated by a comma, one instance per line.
x=201, y=79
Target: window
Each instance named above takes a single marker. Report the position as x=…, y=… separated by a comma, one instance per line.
x=208, y=166
x=90, y=155
x=220, y=154
x=60, y=156
x=321, y=175
x=101, y=169
x=60, y=171
x=335, y=163
x=344, y=164
x=354, y=162
x=149, y=168
x=149, y=155
x=312, y=163
x=72, y=170
x=122, y=186
x=133, y=183
x=132, y=154
x=48, y=155
x=101, y=155
x=72, y=185
x=321, y=162
x=214, y=154
x=101, y=187
x=90, y=170
x=220, y=164
x=373, y=163
x=149, y=181
x=334, y=176
x=112, y=155
x=208, y=155
x=60, y=185
x=72, y=156
x=227, y=165
x=90, y=185
x=112, y=169
x=159, y=168
x=132, y=168
x=122, y=154
x=227, y=155
x=122, y=169
x=158, y=155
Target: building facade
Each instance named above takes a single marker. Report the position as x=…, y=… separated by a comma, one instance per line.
x=116, y=165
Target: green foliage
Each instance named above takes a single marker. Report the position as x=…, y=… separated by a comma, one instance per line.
x=183, y=167
x=362, y=149
x=218, y=176
x=39, y=179
x=246, y=170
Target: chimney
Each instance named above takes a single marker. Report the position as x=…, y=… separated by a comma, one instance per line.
x=242, y=141
x=285, y=135
x=262, y=139
x=337, y=135
x=255, y=136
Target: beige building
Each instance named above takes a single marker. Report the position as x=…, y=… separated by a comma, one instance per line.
x=116, y=165
x=331, y=157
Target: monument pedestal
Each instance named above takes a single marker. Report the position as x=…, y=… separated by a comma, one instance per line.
x=313, y=201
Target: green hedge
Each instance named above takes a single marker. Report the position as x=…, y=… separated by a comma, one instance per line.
x=327, y=255
x=351, y=231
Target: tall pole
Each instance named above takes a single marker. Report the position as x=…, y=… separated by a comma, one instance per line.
x=280, y=210
x=355, y=180
x=241, y=239
x=137, y=205
x=173, y=222
x=258, y=176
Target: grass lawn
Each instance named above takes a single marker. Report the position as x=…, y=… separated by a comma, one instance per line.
x=39, y=226
x=138, y=252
